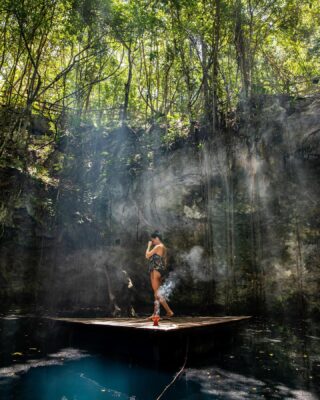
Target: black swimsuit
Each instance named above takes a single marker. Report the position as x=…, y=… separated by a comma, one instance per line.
x=156, y=262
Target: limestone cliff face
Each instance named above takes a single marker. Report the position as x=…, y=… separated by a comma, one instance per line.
x=239, y=214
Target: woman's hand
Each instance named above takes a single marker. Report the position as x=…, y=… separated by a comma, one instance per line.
x=150, y=243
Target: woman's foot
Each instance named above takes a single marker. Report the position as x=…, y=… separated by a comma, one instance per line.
x=151, y=318
x=170, y=315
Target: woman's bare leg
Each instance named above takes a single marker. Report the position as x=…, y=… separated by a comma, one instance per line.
x=154, y=288
x=156, y=282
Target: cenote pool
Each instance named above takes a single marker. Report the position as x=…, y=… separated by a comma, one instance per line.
x=265, y=360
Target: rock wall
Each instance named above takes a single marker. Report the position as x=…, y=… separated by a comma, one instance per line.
x=239, y=214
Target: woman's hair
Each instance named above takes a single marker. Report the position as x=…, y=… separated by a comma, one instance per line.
x=156, y=234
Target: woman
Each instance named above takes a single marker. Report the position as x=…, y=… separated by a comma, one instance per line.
x=157, y=268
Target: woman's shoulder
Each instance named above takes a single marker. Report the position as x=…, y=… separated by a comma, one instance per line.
x=161, y=246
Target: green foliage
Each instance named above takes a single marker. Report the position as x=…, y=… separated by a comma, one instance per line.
x=72, y=55
x=70, y=64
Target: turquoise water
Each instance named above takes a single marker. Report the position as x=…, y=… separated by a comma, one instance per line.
x=91, y=377
x=265, y=360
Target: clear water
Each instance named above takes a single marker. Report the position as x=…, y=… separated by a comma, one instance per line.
x=266, y=360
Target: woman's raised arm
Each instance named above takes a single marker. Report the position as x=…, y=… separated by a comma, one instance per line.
x=153, y=251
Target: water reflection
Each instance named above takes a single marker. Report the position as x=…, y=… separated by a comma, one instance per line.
x=222, y=384
x=266, y=360
x=59, y=358
x=92, y=377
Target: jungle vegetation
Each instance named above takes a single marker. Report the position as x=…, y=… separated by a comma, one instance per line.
x=175, y=63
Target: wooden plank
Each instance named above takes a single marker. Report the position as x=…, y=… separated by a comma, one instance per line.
x=172, y=324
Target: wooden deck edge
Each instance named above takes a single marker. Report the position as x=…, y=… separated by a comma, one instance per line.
x=165, y=326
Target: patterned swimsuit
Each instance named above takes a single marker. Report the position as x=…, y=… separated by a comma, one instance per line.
x=156, y=262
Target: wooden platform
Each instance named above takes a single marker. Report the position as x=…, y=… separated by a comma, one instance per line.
x=165, y=325
x=142, y=342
